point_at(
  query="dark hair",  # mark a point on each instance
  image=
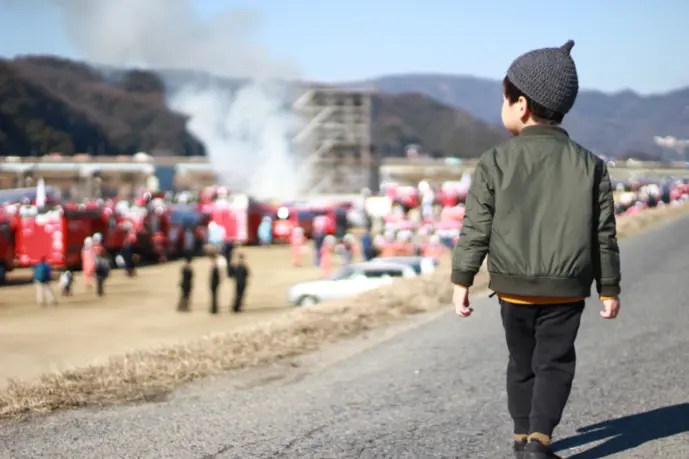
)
(538, 112)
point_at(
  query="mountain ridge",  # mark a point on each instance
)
(610, 123)
(52, 104)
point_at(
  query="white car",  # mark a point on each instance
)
(352, 280)
(421, 265)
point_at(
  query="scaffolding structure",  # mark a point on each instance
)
(334, 140)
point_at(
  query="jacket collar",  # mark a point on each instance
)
(544, 130)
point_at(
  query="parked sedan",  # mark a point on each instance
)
(349, 282)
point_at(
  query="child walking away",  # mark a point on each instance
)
(186, 284)
(542, 207)
(66, 280)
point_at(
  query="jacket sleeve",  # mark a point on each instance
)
(474, 238)
(606, 252)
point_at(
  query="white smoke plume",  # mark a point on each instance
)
(674, 149)
(247, 133)
(671, 142)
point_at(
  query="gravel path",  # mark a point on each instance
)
(432, 390)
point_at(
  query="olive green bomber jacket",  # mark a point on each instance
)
(541, 208)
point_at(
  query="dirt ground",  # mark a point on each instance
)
(135, 313)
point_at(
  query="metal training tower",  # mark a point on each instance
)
(334, 139)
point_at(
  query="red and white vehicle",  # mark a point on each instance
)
(57, 234)
(8, 228)
(308, 217)
(238, 215)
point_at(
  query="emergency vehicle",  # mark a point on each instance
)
(308, 218)
(239, 215)
(8, 228)
(58, 233)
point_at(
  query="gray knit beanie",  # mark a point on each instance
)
(548, 77)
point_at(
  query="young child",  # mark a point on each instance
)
(542, 206)
(66, 280)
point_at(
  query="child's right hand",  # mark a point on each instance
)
(611, 308)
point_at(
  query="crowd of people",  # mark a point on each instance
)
(423, 230)
(96, 265)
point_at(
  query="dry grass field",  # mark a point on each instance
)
(135, 313)
(143, 315)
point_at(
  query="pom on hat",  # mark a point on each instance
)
(567, 47)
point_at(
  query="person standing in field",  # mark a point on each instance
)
(66, 280)
(214, 283)
(240, 272)
(102, 272)
(542, 207)
(297, 240)
(367, 247)
(128, 258)
(265, 232)
(43, 276)
(88, 263)
(186, 285)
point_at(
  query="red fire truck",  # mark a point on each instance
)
(239, 215)
(289, 217)
(8, 228)
(58, 233)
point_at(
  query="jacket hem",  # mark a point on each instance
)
(553, 287)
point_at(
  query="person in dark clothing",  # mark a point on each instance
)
(102, 273)
(186, 285)
(318, 239)
(534, 204)
(215, 284)
(341, 223)
(240, 273)
(665, 192)
(367, 247)
(128, 257)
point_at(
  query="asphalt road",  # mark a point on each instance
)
(434, 390)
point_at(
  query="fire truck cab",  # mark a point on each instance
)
(8, 229)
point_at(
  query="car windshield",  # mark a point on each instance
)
(412, 262)
(343, 274)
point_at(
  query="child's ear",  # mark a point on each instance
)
(523, 107)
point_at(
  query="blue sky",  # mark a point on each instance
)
(637, 44)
